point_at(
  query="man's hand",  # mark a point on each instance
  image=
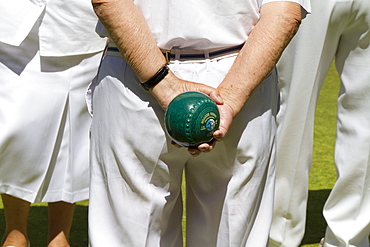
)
(171, 86)
(226, 118)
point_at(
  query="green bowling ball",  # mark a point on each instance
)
(191, 119)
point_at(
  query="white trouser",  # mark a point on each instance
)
(340, 30)
(136, 173)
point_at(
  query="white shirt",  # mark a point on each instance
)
(203, 24)
(58, 33)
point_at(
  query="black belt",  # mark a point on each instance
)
(200, 56)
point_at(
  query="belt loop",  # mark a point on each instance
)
(208, 61)
(177, 59)
(177, 53)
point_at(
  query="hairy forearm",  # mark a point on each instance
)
(278, 24)
(130, 32)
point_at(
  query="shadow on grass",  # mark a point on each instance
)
(38, 222)
(315, 224)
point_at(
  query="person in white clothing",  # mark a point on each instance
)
(225, 49)
(335, 31)
(49, 53)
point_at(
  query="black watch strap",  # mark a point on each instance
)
(162, 72)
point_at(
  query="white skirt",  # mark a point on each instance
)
(44, 123)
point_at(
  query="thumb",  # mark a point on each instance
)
(215, 95)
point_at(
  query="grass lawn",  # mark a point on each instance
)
(322, 178)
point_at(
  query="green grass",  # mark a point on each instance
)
(322, 178)
(323, 175)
